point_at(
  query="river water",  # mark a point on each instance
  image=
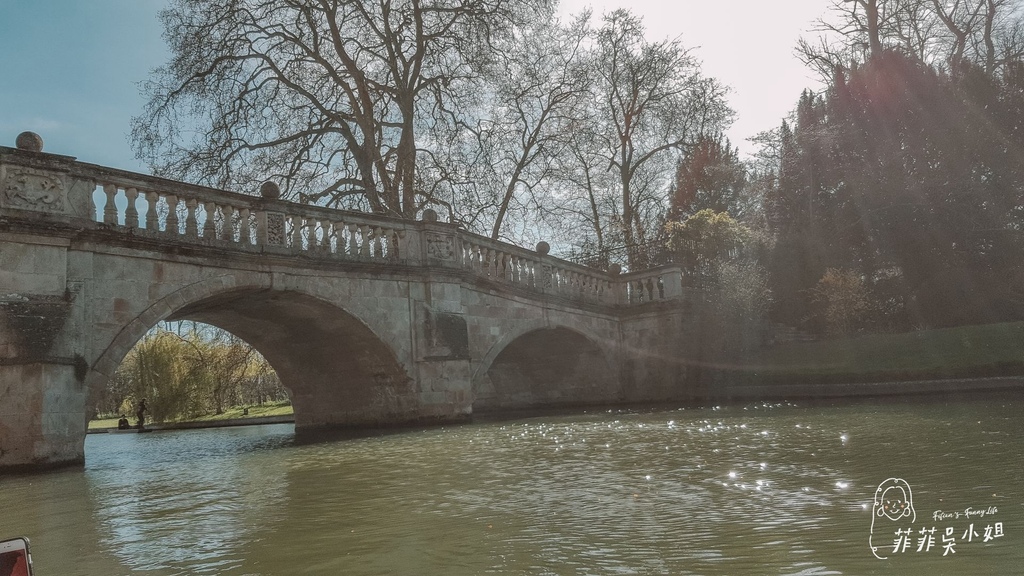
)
(757, 489)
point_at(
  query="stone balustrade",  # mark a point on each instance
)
(655, 285)
(58, 187)
(534, 270)
(194, 214)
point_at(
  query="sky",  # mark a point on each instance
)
(70, 69)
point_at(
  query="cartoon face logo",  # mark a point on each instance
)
(894, 500)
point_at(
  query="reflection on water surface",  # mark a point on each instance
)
(759, 489)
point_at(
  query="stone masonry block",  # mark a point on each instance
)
(155, 314)
(432, 398)
(31, 283)
(80, 265)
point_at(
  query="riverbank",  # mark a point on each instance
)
(960, 353)
(226, 423)
(732, 391)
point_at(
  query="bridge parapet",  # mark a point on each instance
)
(47, 186)
(654, 285)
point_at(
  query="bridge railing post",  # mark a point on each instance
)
(672, 282)
(269, 226)
(32, 181)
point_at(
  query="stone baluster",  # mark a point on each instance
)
(296, 232)
(390, 242)
(172, 215)
(131, 212)
(507, 268)
(476, 259)
(310, 233)
(364, 241)
(378, 248)
(244, 231)
(353, 240)
(227, 224)
(298, 227)
(387, 243)
(499, 265)
(401, 246)
(109, 209)
(325, 236)
(339, 238)
(317, 233)
(94, 209)
(191, 229)
(152, 218)
(485, 260)
(210, 222)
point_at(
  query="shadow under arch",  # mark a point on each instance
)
(549, 366)
(338, 371)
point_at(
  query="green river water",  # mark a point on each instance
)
(762, 488)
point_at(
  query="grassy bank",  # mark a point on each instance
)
(273, 409)
(962, 352)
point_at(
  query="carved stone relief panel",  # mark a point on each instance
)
(30, 189)
(440, 247)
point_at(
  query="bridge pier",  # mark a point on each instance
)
(42, 416)
(42, 392)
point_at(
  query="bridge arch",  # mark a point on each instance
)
(338, 370)
(545, 364)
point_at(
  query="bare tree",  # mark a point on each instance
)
(943, 33)
(331, 97)
(650, 102)
(535, 94)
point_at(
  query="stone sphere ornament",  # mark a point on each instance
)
(29, 141)
(270, 191)
(429, 215)
(615, 269)
(543, 248)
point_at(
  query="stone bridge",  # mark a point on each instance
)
(369, 321)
